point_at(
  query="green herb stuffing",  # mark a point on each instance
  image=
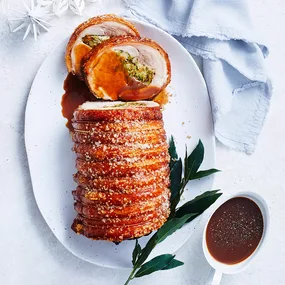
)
(93, 41)
(135, 69)
(127, 104)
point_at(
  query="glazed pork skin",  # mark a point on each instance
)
(123, 177)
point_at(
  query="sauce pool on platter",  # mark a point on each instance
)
(234, 230)
(77, 93)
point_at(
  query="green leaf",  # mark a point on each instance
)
(173, 263)
(204, 173)
(175, 183)
(194, 161)
(172, 152)
(198, 205)
(145, 252)
(166, 230)
(155, 264)
(136, 252)
(171, 226)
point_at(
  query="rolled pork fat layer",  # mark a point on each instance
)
(123, 184)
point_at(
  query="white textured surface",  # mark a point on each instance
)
(30, 254)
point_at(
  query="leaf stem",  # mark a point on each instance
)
(177, 200)
(131, 276)
(184, 183)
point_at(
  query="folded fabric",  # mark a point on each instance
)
(222, 34)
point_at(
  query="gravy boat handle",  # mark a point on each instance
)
(216, 278)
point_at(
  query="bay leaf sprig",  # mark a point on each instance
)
(178, 215)
(161, 262)
(192, 164)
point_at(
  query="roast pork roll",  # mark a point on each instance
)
(90, 34)
(126, 68)
(122, 170)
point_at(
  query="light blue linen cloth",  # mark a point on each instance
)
(221, 32)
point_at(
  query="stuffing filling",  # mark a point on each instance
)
(135, 69)
(92, 40)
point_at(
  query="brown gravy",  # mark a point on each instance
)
(76, 93)
(79, 51)
(139, 94)
(235, 230)
(162, 98)
(109, 74)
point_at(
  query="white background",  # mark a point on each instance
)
(30, 254)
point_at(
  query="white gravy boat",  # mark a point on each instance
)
(222, 268)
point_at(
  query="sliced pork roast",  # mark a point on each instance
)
(90, 34)
(126, 68)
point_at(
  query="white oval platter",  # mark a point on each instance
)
(51, 160)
